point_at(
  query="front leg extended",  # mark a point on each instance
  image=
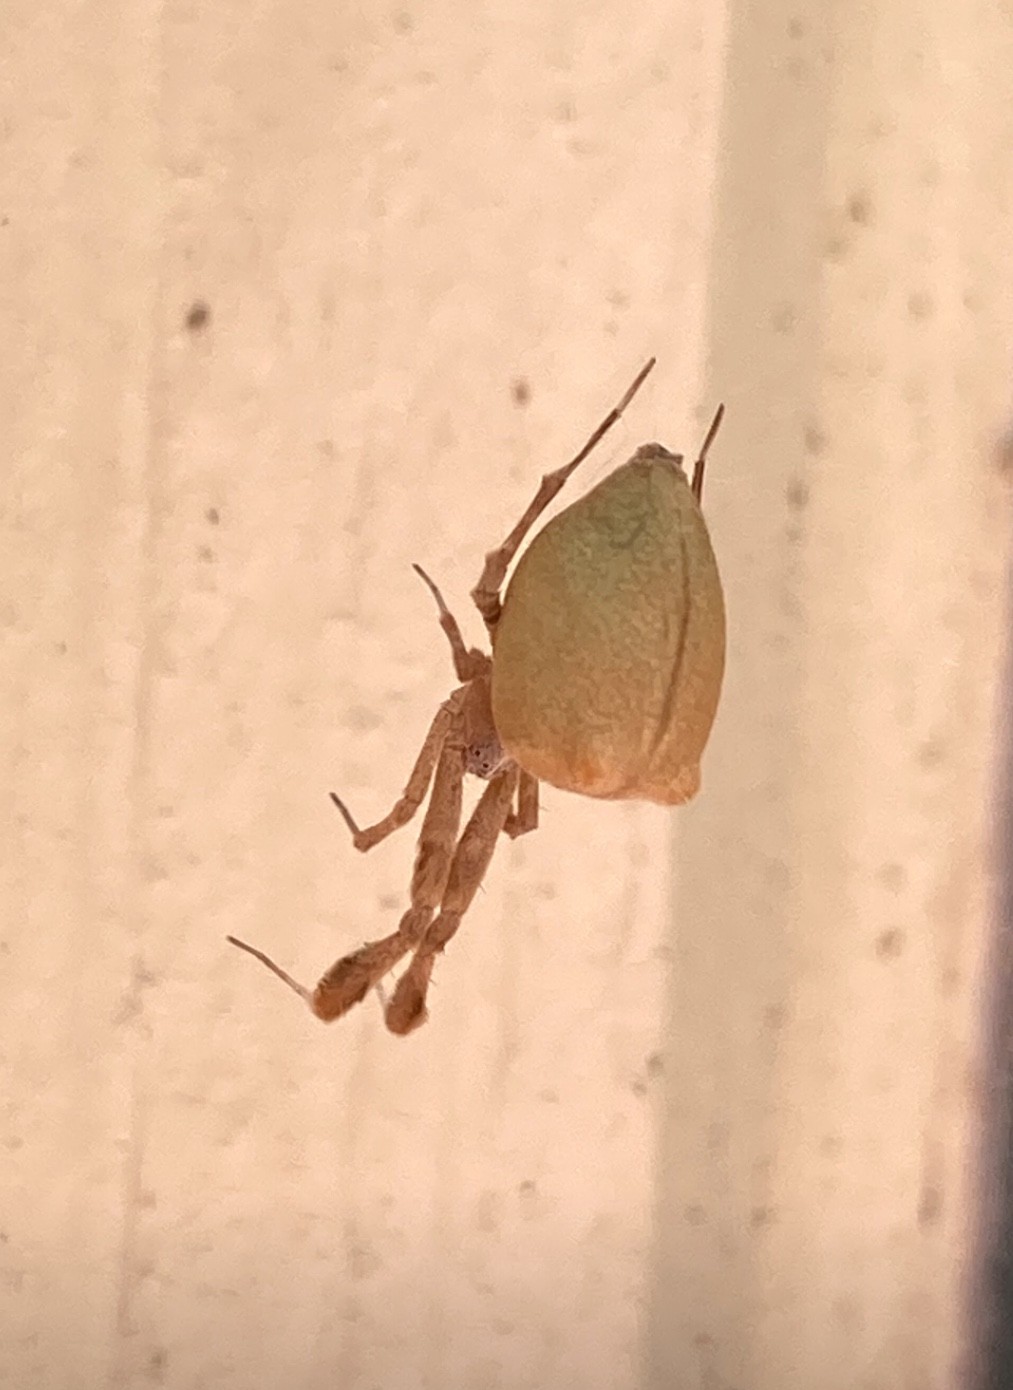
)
(350, 979)
(416, 787)
(485, 594)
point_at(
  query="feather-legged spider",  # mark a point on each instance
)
(654, 580)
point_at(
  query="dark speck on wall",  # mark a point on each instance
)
(890, 943)
(797, 493)
(198, 316)
(860, 209)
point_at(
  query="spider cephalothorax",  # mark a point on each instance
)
(608, 653)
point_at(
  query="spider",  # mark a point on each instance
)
(606, 666)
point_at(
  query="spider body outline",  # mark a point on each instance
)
(464, 737)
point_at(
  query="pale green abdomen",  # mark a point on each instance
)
(610, 650)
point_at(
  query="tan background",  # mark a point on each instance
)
(697, 1104)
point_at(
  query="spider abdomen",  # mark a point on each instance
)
(609, 653)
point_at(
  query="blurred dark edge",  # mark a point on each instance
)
(991, 1286)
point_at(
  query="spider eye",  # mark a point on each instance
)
(483, 759)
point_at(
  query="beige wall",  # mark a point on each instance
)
(695, 1106)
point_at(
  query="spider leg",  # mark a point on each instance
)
(468, 663)
(275, 969)
(698, 467)
(525, 818)
(417, 785)
(352, 977)
(486, 592)
(407, 1008)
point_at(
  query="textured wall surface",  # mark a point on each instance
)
(295, 295)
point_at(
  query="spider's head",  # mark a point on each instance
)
(484, 756)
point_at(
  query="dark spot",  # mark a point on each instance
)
(949, 982)
(527, 1198)
(762, 1216)
(198, 316)
(930, 1206)
(774, 1016)
(814, 439)
(931, 753)
(326, 448)
(61, 648)
(796, 28)
(890, 943)
(783, 318)
(831, 1146)
(403, 22)
(859, 209)
(694, 1215)
(655, 1064)
(5, 221)
(205, 554)
(157, 1362)
(702, 1339)
(639, 1087)
(797, 493)
(212, 516)
(520, 390)
(920, 305)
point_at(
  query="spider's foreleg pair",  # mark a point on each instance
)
(448, 871)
